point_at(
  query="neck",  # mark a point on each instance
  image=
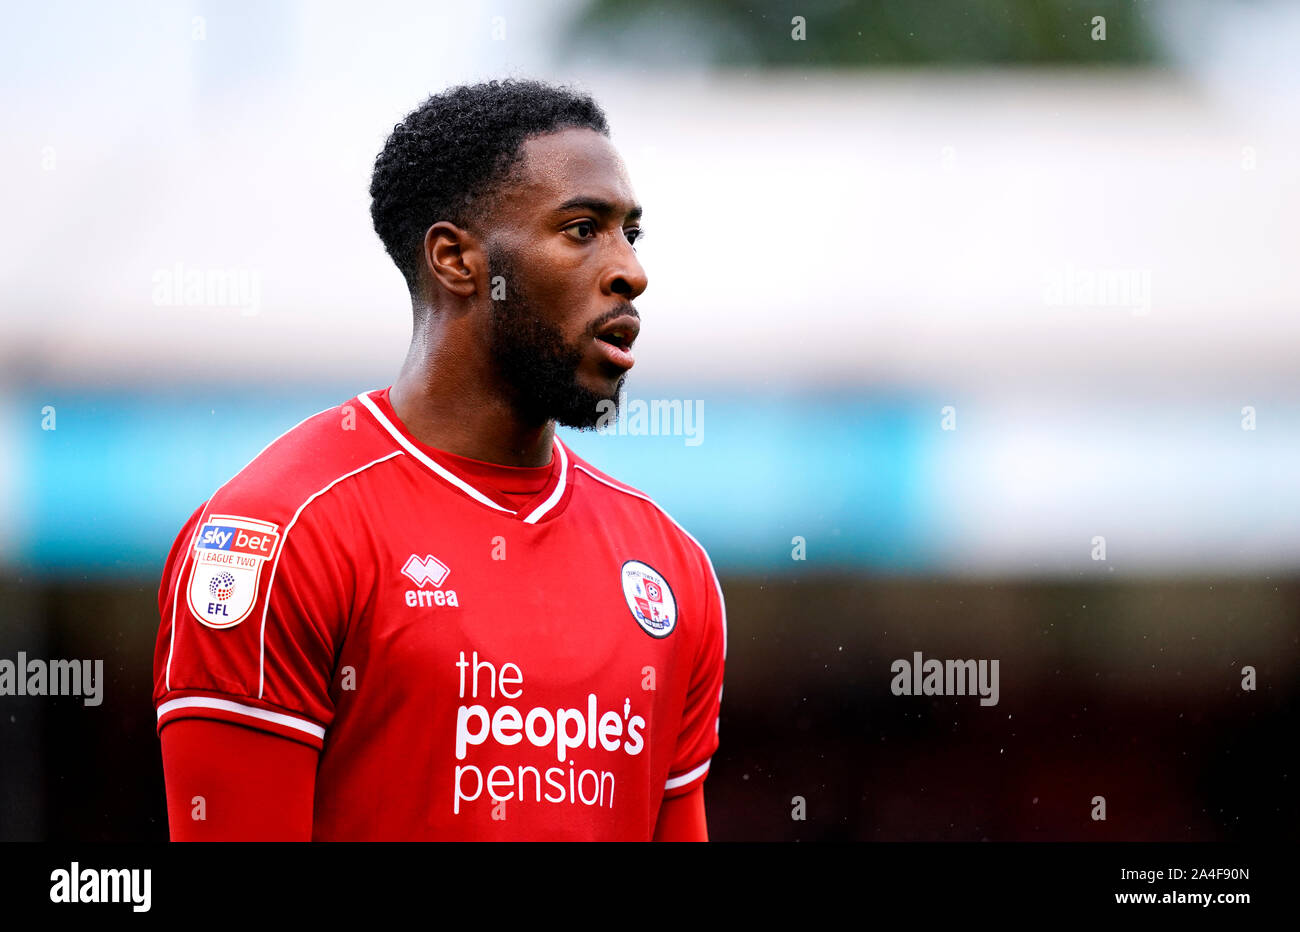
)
(449, 400)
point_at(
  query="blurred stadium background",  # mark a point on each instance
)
(856, 240)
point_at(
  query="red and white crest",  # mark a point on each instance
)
(649, 598)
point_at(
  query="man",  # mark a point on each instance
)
(418, 615)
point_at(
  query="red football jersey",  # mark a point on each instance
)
(472, 663)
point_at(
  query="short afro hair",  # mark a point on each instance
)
(449, 157)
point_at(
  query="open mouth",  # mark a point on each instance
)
(618, 338)
(621, 332)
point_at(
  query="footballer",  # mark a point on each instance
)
(419, 615)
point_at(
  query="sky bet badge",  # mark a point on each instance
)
(229, 554)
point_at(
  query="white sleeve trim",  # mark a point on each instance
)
(203, 517)
(674, 782)
(225, 705)
(275, 563)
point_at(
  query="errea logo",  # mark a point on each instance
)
(429, 571)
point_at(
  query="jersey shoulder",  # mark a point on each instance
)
(302, 463)
(615, 494)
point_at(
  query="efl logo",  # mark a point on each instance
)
(429, 571)
(229, 554)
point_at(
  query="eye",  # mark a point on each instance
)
(582, 224)
(634, 235)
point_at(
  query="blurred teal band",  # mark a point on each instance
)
(766, 481)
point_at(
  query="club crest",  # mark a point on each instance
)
(649, 598)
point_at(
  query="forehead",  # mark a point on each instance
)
(566, 164)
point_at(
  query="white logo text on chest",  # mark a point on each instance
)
(429, 573)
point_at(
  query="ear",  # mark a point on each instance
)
(453, 258)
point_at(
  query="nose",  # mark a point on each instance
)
(624, 276)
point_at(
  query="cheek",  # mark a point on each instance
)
(561, 283)
(565, 302)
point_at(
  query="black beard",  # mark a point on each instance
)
(538, 370)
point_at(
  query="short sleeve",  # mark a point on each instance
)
(698, 736)
(253, 605)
